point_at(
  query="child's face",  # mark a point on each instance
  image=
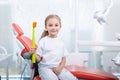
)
(53, 26)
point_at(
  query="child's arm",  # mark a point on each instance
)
(38, 57)
(58, 69)
(62, 64)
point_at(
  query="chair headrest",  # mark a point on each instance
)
(18, 29)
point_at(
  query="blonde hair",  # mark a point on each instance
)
(45, 33)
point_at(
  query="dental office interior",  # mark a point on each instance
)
(90, 31)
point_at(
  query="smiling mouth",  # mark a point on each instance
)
(53, 31)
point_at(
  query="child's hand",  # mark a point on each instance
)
(57, 70)
(32, 50)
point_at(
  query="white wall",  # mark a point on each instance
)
(113, 19)
(6, 34)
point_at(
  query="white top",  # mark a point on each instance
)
(52, 50)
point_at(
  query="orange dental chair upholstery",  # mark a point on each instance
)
(82, 72)
(26, 42)
(79, 71)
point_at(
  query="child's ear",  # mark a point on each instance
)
(45, 29)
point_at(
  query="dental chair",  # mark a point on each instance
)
(79, 71)
(27, 43)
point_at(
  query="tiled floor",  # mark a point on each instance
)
(15, 78)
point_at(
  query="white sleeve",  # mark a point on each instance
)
(39, 50)
(65, 52)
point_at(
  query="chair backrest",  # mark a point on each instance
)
(17, 29)
(26, 42)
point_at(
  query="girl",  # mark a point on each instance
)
(51, 53)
